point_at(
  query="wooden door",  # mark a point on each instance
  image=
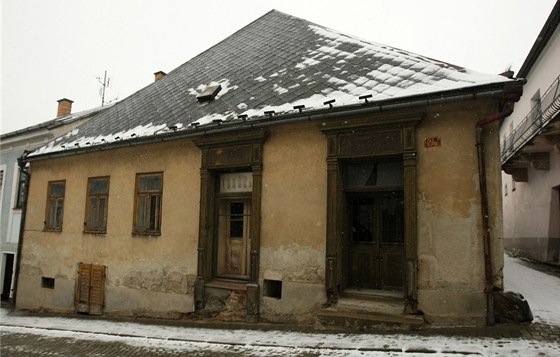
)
(376, 241)
(234, 240)
(90, 292)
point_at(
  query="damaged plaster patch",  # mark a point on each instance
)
(297, 263)
(165, 280)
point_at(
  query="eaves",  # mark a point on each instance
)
(243, 124)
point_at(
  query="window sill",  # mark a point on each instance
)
(227, 284)
(146, 235)
(95, 233)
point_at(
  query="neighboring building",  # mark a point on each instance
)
(290, 173)
(12, 146)
(530, 149)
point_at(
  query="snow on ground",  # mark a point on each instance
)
(541, 290)
(280, 343)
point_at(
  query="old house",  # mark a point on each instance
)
(290, 173)
(12, 146)
(530, 146)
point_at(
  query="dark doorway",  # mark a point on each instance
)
(8, 272)
(376, 257)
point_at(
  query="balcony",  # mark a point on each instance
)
(532, 140)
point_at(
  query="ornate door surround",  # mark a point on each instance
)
(369, 138)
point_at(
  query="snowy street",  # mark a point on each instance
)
(541, 290)
(28, 334)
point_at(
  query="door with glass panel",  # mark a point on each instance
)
(375, 226)
(234, 240)
(376, 241)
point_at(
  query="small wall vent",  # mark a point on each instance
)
(209, 94)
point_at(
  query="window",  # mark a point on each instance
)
(96, 206)
(47, 283)
(147, 215)
(1, 183)
(20, 190)
(55, 205)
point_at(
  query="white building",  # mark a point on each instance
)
(530, 146)
(12, 146)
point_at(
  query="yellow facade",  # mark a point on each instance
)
(155, 275)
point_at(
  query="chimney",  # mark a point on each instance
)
(64, 107)
(159, 75)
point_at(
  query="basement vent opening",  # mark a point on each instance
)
(209, 94)
(273, 288)
(47, 283)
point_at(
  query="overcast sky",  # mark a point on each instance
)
(53, 49)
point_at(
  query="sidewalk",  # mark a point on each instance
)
(492, 341)
(538, 338)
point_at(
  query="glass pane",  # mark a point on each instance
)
(52, 213)
(236, 220)
(393, 218)
(59, 213)
(91, 222)
(370, 173)
(141, 213)
(362, 221)
(98, 186)
(150, 183)
(57, 189)
(101, 224)
(389, 173)
(154, 213)
(236, 208)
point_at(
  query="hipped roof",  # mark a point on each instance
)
(265, 69)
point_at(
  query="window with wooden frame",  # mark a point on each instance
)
(147, 207)
(96, 205)
(55, 205)
(21, 183)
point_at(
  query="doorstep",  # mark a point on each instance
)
(368, 313)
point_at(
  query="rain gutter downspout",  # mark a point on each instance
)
(509, 97)
(25, 176)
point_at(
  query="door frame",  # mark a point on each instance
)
(369, 137)
(219, 154)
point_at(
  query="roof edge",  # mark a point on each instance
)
(448, 96)
(544, 36)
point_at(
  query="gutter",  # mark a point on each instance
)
(510, 95)
(270, 120)
(26, 176)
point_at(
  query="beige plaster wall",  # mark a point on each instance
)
(450, 251)
(143, 273)
(154, 275)
(294, 203)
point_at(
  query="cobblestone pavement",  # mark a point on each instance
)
(28, 341)
(23, 344)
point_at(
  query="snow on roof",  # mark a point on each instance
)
(273, 64)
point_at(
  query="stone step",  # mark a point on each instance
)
(368, 314)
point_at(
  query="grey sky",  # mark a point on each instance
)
(53, 49)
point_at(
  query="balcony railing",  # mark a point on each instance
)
(538, 118)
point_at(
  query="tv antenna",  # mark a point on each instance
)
(104, 86)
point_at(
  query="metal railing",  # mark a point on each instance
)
(539, 116)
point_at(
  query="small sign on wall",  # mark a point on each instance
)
(432, 142)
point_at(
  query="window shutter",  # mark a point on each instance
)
(97, 290)
(90, 291)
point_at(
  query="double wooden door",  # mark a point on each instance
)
(376, 241)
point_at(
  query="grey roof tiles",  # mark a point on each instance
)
(274, 63)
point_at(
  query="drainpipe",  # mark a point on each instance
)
(25, 176)
(509, 97)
